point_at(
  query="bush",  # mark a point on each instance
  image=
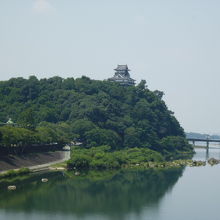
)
(102, 157)
(140, 155)
(79, 162)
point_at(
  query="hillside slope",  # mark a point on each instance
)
(98, 112)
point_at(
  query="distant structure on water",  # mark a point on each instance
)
(122, 76)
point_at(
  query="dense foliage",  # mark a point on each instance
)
(92, 112)
(102, 158)
(45, 133)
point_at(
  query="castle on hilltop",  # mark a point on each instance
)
(122, 76)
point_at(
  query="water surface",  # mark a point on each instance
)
(190, 193)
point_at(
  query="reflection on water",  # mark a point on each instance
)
(165, 194)
(207, 153)
(108, 194)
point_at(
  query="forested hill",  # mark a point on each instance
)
(98, 112)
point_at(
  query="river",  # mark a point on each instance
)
(180, 194)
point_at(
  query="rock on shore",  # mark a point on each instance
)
(213, 161)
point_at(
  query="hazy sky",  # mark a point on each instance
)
(173, 44)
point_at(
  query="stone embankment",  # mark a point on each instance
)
(36, 162)
(176, 163)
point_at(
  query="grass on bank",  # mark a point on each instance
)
(59, 165)
(14, 173)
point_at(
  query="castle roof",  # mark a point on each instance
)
(122, 68)
(122, 76)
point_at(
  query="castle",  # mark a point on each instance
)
(122, 76)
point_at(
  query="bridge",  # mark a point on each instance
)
(207, 140)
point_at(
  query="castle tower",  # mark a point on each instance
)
(122, 76)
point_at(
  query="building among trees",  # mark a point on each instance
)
(122, 76)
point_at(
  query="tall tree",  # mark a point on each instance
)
(27, 119)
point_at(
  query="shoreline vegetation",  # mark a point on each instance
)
(15, 173)
(63, 167)
(130, 160)
(103, 158)
(117, 126)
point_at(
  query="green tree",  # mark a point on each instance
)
(27, 119)
(172, 145)
(98, 137)
(47, 135)
(132, 138)
(17, 137)
(81, 126)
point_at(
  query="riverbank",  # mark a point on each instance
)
(155, 165)
(34, 161)
(162, 194)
